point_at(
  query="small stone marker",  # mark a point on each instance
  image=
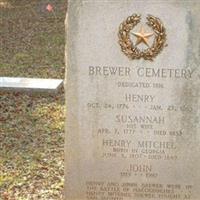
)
(133, 100)
(30, 84)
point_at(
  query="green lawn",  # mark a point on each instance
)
(32, 126)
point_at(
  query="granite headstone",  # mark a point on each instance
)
(133, 106)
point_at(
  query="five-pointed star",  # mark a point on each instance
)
(142, 37)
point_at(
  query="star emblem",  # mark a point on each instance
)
(142, 37)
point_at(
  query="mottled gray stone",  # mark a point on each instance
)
(135, 134)
(30, 84)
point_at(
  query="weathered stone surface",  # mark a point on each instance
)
(30, 84)
(132, 125)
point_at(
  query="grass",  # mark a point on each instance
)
(31, 126)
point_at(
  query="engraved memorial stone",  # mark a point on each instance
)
(133, 106)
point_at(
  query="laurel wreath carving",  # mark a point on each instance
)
(133, 52)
